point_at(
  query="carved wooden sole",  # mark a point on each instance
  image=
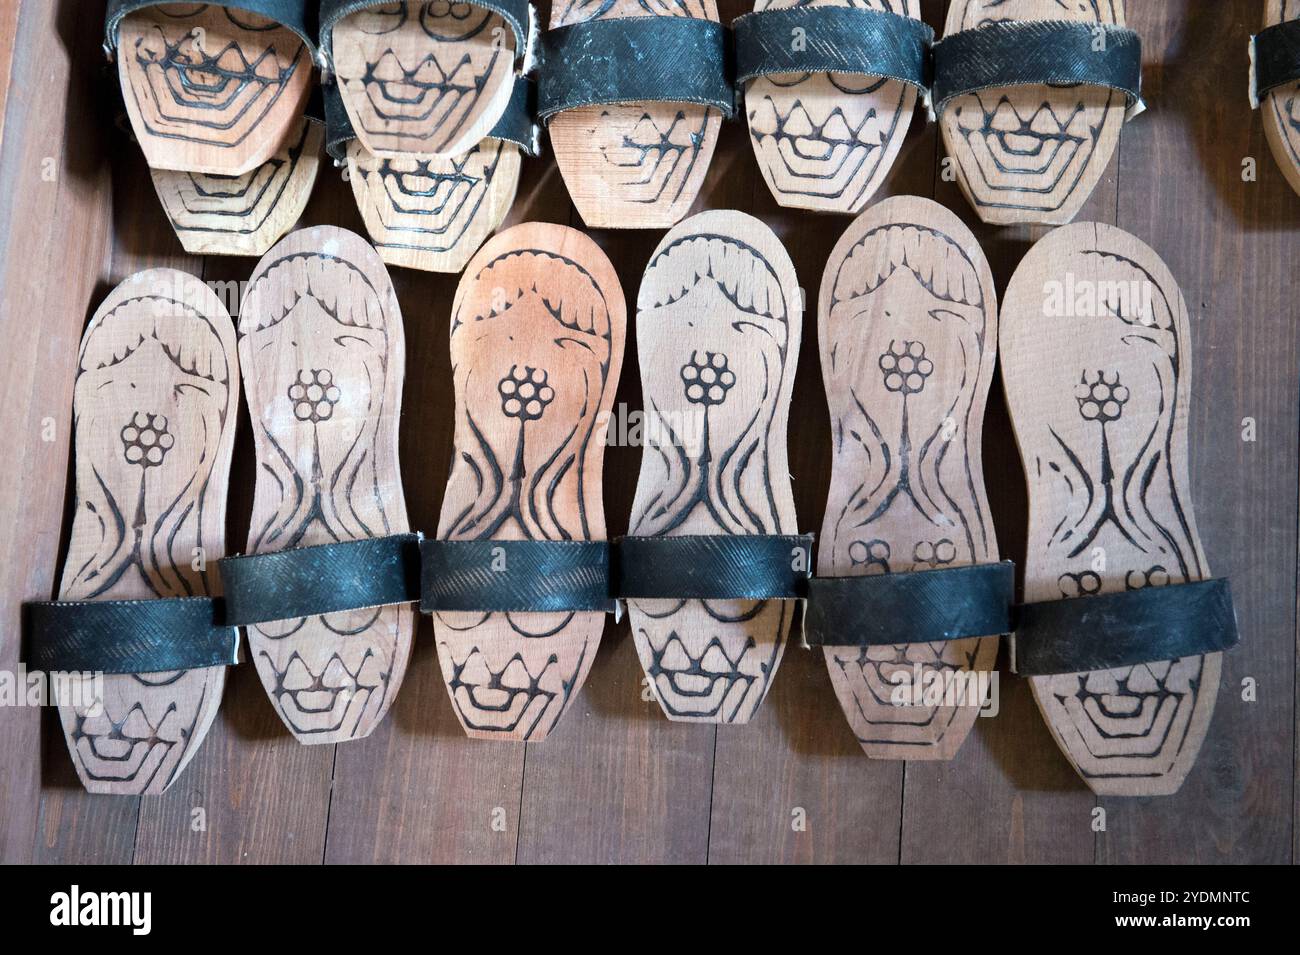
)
(1031, 153)
(718, 323)
(432, 213)
(211, 89)
(907, 323)
(242, 215)
(323, 353)
(1282, 106)
(154, 407)
(826, 141)
(423, 79)
(1094, 350)
(537, 335)
(638, 165)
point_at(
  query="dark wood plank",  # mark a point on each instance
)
(1232, 247)
(54, 246)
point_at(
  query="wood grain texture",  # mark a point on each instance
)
(655, 790)
(1281, 107)
(826, 141)
(253, 794)
(1232, 254)
(907, 322)
(322, 352)
(50, 117)
(1031, 153)
(433, 213)
(718, 325)
(635, 165)
(243, 215)
(423, 79)
(1101, 420)
(537, 332)
(211, 89)
(153, 406)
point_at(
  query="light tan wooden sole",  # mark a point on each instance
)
(323, 357)
(242, 215)
(154, 414)
(423, 79)
(1031, 153)
(907, 323)
(719, 317)
(537, 333)
(1281, 107)
(1094, 350)
(826, 141)
(433, 214)
(210, 89)
(639, 165)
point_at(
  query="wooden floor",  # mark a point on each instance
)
(616, 782)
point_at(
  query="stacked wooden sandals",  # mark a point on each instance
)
(1121, 626)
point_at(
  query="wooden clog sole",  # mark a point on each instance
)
(154, 405)
(322, 352)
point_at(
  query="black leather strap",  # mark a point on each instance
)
(834, 40)
(128, 636)
(511, 575)
(1275, 58)
(1124, 628)
(634, 60)
(1033, 52)
(516, 124)
(926, 606)
(298, 15)
(328, 578)
(338, 127)
(723, 567)
(519, 16)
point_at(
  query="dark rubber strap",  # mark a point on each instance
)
(338, 127)
(1034, 52)
(927, 606)
(1275, 58)
(518, 14)
(511, 575)
(128, 636)
(328, 578)
(1124, 628)
(723, 567)
(516, 124)
(298, 15)
(834, 40)
(634, 60)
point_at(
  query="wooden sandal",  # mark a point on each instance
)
(828, 116)
(1029, 109)
(243, 215)
(154, 405)
(1121, 626)
(323, 353)
(433, 213)
(537, 335)
(719, 316)
(907, 321)
(633, 103)
(1275, 83)
(212, 88)
(425, 79)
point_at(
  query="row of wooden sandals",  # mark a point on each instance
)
(909, 596)
(430, 107)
